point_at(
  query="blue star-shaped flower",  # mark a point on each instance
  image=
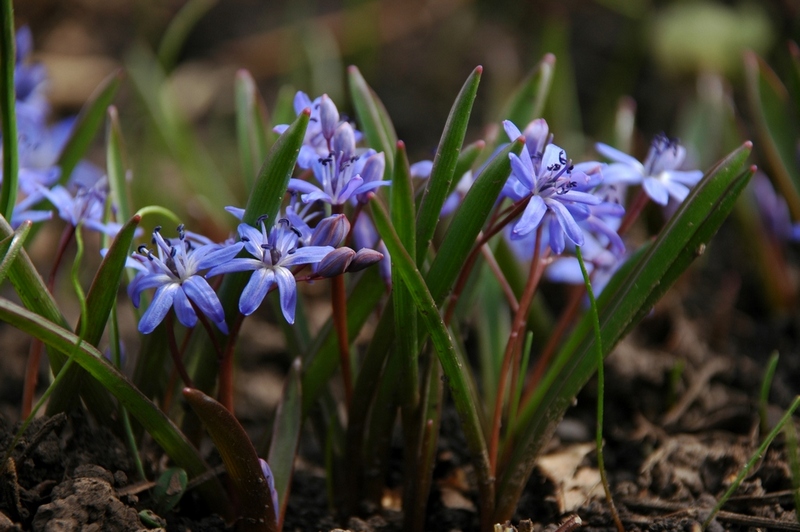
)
(174, 273)
(274, 253)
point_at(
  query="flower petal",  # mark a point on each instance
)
(201, 294)
(531, 217)
(255, 290)
(162, 302)
(287, 287)
(656, 190)
(183, 308)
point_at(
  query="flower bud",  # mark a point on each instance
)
(363, 259)
(336, 262)
(328, 117)
(330, 231)
(344, 140)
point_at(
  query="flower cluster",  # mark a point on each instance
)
(82, 196)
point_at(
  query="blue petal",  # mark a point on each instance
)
(531, 217)
(522, 169)
(255, 290)
(617, 156)
(656, 190)
(198, 290)
(183, 309)
(511, 130)
(287, 287)
(159, 307)
(145, 281)
(306, 255)
(567, 223)
(235, 265)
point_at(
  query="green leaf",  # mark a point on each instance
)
(241, 462)
(777, 132)
(372, 117)
(273, 178)
(87, 124)
(627, 298)
(466, 159)
(402, 197)
(103, 291)
(178, 30)
(11, 246)
(157, 424)
(8, 110)
(286, 437)
(528, 100)
(444, 164)
(468, 221)
(169, 489)
(116, 166)
(454, 373)
(251, 126)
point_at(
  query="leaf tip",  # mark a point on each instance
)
(307, 111)
(479, 69)
(549, 59)
(748, 145)
(401, 146)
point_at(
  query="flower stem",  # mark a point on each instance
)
(35, 352)
(226, 365)
(177, 359)
(339, 305)
(520, 319)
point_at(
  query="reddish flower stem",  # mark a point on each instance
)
(339, 306)
(35, 352)
(225, 393)
(520, 319)
(177, 359)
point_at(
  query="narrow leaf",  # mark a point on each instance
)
(372, 117)
(178, 30)
(241, 462)
(87, 124)
(777, 133)
(251, 126)
(8, 110)
(528, 100)
(11, 246)
(116, 166)
(286, 437)
(468, 221)
(103, 291)
(444, 163)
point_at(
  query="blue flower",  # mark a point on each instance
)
(274, 253)
(658, 175)
(174, 273)
(322, 125)
(342, 174)
(86, 207)
(552, 185)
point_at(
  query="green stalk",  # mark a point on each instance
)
(8, 98)
(600, 390)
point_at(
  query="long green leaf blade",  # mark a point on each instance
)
(528, 100)
(444, 163)
(87, 124)
(11, 246)
(372, 117)
(468, 221)
(777, 134)
(116, 166)
(8, 110)
(286, 437)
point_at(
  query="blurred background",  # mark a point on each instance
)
(666, 63)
